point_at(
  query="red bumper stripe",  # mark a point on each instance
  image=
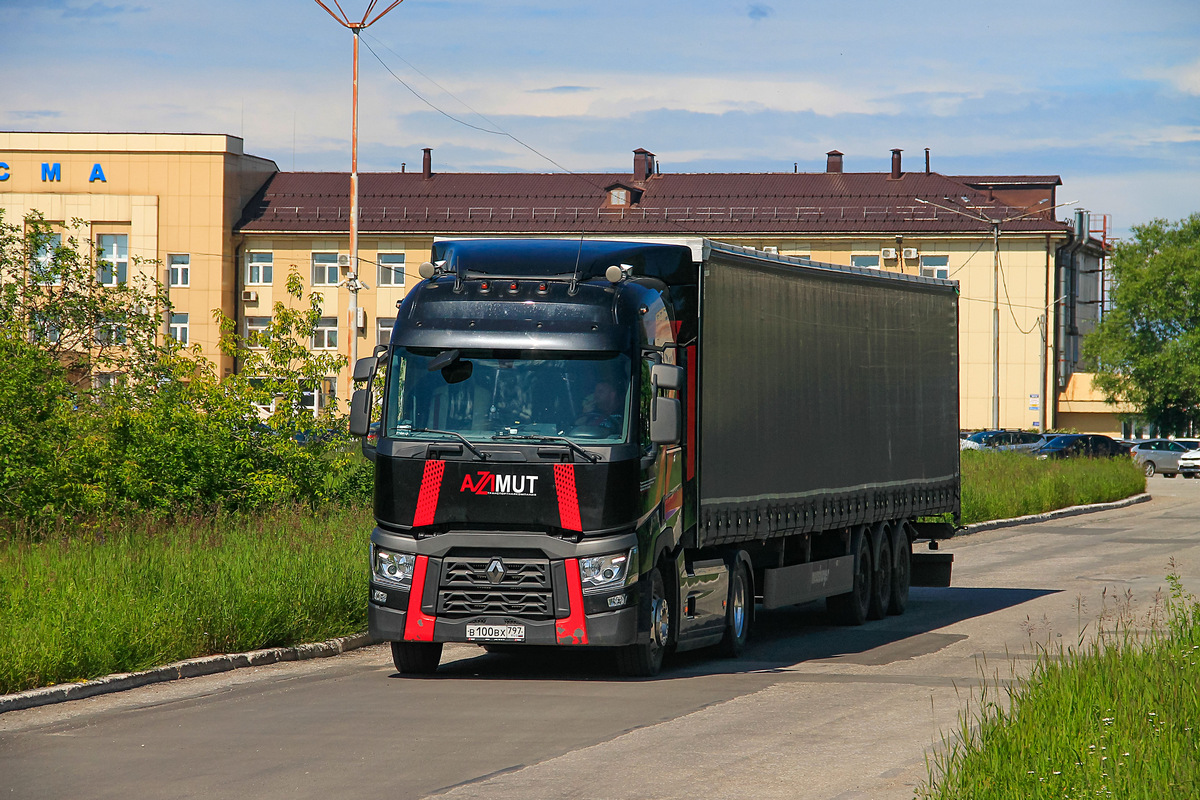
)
(568, 501)
(573, 629)
(418, 626)
(431, 486)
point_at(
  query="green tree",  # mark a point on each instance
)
(1146, 350)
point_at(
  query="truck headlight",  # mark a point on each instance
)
(605, 573)
(393, 568)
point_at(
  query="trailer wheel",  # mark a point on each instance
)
(416, 658)
(881, 586)
(739, 611)
(852, 607)
(1148, 468)
(644, 659)
(902, 577)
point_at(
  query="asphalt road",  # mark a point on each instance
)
(811, 710)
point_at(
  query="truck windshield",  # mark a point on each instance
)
(486, 394)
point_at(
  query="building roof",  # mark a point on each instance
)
(694, 204)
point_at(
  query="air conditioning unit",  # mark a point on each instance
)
(344, 260)
(772, 250)
(887, 253)
(249, 296)
(361, 318)
(910, 252)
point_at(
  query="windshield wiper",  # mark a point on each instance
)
(534, 437)
(482, 456)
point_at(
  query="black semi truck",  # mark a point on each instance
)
(627, 446)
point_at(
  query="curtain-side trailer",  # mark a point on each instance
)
(629, 445)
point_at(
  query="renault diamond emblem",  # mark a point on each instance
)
(495, 571)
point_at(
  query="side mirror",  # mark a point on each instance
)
(360, 410)
(666, 421)
(364, 368)
(667, 376)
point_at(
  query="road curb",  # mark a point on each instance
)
(1070, 511)
(210, 665)
(190, 668)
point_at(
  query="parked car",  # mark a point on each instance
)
(1002, 440)
(1189, 464)
(1081, 445)
(1162, 455)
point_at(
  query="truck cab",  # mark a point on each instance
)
(528, 448)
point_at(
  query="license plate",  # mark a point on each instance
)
(496, 633)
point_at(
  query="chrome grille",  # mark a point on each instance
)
(524, 590)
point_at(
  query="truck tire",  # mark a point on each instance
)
(881, 582)
(902, 577)
(739, 612)
(851, 608)
(1148, 468)
(416, 658)
(644, 659)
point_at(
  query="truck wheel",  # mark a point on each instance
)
(739, 611)
(1148, 468)
(644, 659)
(881, 586)
(902, 577)
(851, 608)
(416, 658)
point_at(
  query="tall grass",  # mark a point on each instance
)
(126, 597)
(1002, 485)
(1118, 718)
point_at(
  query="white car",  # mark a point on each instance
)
(1189, 464)
(1163, 456)
(1026, 441)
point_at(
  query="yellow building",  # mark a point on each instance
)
(241, 226)
(162, 205)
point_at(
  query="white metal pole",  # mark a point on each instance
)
(352, 278)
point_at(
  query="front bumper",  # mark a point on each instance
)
(435, 607)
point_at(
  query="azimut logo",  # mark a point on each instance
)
(491, 483)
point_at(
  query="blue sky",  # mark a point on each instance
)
(1105, 94)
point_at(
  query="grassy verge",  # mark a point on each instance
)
(1120, 718)
(146, 593)
(1001, 485)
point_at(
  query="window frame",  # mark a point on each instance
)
(939, 271)
(267, 268)
(326, 267)
(175, 326)
(860, 257)
(321, 333)
(115, 265)
(183, 269)
(381, 269)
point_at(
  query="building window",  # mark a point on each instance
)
(179, 328)
(46, 328)
(865, 262)
(259, 268)
(384, 330)
(113, 254)
(391, 269)
(325, 336)
(324, 269)
(44, 272)
(109, 334)
(618, 197)
(179, 267)
(256, 329)
(935, 266)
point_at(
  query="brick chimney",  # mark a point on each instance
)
(427, 163)
(833, 161)
(896, 173)
(643, 164)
